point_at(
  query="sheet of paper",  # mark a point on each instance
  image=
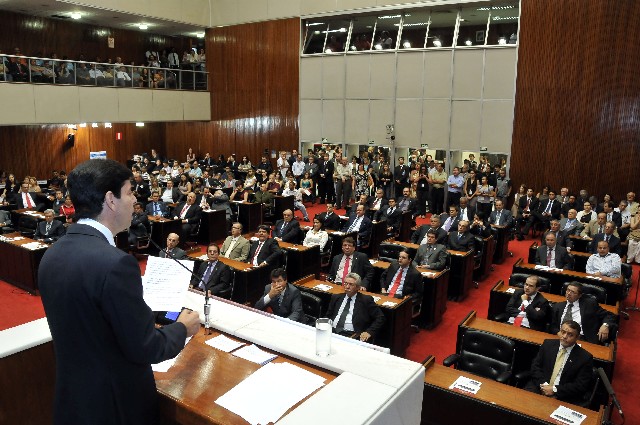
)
(33, 245)
(389, 304)
(322, 287)
(166, 365)
(223, 343)
(165, 283)
(510, 290)
(567, 416)
(254, 354)
(376, 299)
(467, 385)
(267, 405)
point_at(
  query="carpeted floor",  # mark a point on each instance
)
(17, 307)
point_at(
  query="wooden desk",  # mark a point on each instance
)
(494, 403)
(499, 298)
(434, 294)
(250, 215)
(614, 287)
(528, 343)
(378, 234)
(161, 228)
(405, 227)
(395, 332)
(301, 260)
(182, 399)
(579, 243)
(19, 266)
(213, 226)
(502, 236)
(282, 203)
(486, 260)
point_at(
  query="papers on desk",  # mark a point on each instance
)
(376, 299)
(323, 287)
(567, 416)
(510, 290)
(389, 304)
(373, 261)
(254, 354)
(338, 233)
(593, 277)
(547, 268)
(467, 385)
(272, 390)
(224, 343)
(166, 365)
(33, 245)
(428, 274)
(33, 213)
(203, 257)
(165, 284)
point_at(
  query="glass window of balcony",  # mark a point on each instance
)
(473, 26)
(315, 34)
(337, 33)
(503, 27)
(386, 31)
(362, 33)
(442, 27)
(414, 29)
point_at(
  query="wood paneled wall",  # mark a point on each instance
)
(43, 36)
(577, 113)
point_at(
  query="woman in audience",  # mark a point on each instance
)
(250, 181)
(67, 209)
(12, 186)
(239, 192)
(221, 162)
(544, 195)
(185, 185)
(386, 181)
(245, 165)
(422, 189)
(154, 186)
(191, 156)
(588, 214)
(484, 194)
(143, 80)
(306, 187)
(34, 186)
(163, 177)
(470, 187)
(316, 236)
(361, 182)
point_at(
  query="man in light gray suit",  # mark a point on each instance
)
(500, 216)
(235, 247)
(431, 255)
(570, 225)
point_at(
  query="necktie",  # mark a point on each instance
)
(280, 298)
(557, 366)
(447, 224)
(568, 315)
(390, 211)
(255, 256)
(546, 210)
(498, 217)
(528, 202)
(353, 225)
(184, 210)
(600, 229)
(377, 204)
(48, 228)
(606, 238)
(284, 224)
(206, 276)
(463, 213)
(609, 216)
(28, 198)
(549, 257)
(343, 316)
(156, 209)
(519, 318)
(345, 271)
(396, 283)
(568, 225)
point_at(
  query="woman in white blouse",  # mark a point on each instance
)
(316, 236)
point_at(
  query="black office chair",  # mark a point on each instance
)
(627, 273)
(484, 354)
(191, 241)
(228, 293)
(416, 307)
(517, 280)
(389, 252)
(480, 246)
(27, 226)
(312, 307)
(326, 256)
(142, 242)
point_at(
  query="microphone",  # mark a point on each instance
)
(609, 388)
(207, 307)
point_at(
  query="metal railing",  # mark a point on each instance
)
(25, 69)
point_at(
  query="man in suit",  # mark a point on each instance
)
(263, 196)
(604, 263)
(392, 215)
(325, 180)
(570, 225)
(189, 214)
(360, 223)
(139, 223)
(405, 203)
(431, 255)
(462, 240)
(351, 261)
(562, 369)
(141, 189)
(171, 194)
(500, 216)
(401, 279)
(235, 246)
(562, 238)
(354, 313)
(527, 307)
(29, 200)
(220, 202)
(215, 276)
(611, 214)
(420, 235)
(378, 201)
(526, 206)
(283, 298)
(548, 210)
(49, 230)
(401, 176)
(466, 212)
(595, 321)
(287, 229)
(553, 255)
(156, 207)
(612, 240)
(596, 226)
(5, 222)
(450, 221)
(329, 219)
(98, 318)
(57, 201)
(172, 250)
(265, 251)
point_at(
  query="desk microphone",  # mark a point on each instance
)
(609, 388)
(207, 307)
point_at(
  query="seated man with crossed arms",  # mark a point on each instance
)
(528, 307)
(604, 263)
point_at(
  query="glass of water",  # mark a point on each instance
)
(324, 327)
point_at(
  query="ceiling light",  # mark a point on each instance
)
(437, 42)
(502, 40)
(389, 16)
(200, 34)
(94, 125)
(139, 124)
(406, 45)
(143, 26)
(76, 15)
(83, 125)
(316, 23)
(328, 50)
(468, 42)
(378, 46)
(107, 125)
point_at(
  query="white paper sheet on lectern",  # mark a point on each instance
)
(165, 283)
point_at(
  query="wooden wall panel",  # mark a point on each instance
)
(577, 113)
(43, 36)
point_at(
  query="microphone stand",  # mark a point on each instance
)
(612, 393)
(635, 307)
(207, 307)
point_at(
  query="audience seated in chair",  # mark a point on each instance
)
(281, 297)
(172, 250)
(401, 279)
(213, 276)
(49, 230)
(235, 247)
(351, 261)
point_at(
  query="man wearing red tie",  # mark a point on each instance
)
(26, 199)
(401, 279)
(189, 214)
(265, 251)
(527, 307)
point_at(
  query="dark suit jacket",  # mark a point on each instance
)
(421, 232)
(562, 239)
(57, 230)
(139, 224)
(291, 306)
(454, 223)
(412, 207)
(435, 259)
(192, 215)
(412, 280)
(364, 233)
(330, 223)
(143, 191)
(393, 220)
(164, 210)
(537, 311)
(270, 252)
(465, 242)
(522, 203)
(99, 320)
(359, 264)
(556, 207)
(614, 243)
(592, 317)
(36, 199)
(290, 233)
(470, 213)
(506, 219)
(176, 253)
(576, 376)
(367, 316)
(563, 260)
(220, 279)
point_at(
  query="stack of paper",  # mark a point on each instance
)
(389, 304)
(254, 354)
(33, 245)
(166, 365)
(272, 389)
(223, 343)
(567, 416)
(465, 384)
(323, 287)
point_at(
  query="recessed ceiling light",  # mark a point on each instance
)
(143, 26)
(76, 15)
(200, 34)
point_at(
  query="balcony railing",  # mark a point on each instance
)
(24, 69)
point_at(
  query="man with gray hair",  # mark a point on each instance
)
(49, 230)
(355, 314)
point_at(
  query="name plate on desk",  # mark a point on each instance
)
(567, 416)
(466, 385)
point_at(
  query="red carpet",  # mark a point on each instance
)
(19, 307)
